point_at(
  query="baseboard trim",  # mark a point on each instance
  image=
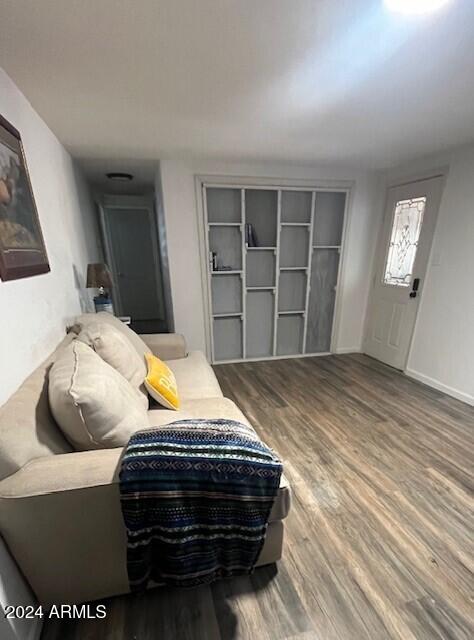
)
(341, 350)
(440, 386)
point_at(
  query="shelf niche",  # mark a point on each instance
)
(259, 324)
(296, 206)
(226, 294)
(226, 242)
(328, 218)
(292, 291)
(294, 242)
(223, 205)
(261, 206)
(260, 269)
(227, 338)
(290, 335)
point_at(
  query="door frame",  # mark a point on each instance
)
(142, 203)
(382, 201)
(241, 182)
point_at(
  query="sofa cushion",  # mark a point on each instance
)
(95, 406)
(117, 350)
(107, 318)
(27, 427)
(202, 408)
(194, 377)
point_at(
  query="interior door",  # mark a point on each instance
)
(137, 290)
(405, 243)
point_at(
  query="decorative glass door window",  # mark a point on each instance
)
(406, 227)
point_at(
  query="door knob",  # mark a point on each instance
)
(414, 288)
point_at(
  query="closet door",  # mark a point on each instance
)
(328, 224)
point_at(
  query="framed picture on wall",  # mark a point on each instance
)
(22, 248)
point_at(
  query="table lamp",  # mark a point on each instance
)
(99, 277)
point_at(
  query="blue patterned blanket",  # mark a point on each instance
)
(196, 496)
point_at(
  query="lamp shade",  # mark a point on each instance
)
(98, 275)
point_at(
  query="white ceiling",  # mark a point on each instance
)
(300, 81)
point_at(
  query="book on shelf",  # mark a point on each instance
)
(250, 235)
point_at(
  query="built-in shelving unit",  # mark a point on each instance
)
(277, 299)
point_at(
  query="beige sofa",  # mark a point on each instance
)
(59, 509)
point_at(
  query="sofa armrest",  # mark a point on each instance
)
(167, 346)
(60, 517)
(62, 473)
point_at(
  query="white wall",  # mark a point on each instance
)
(442, 350)
(179, 199)
(34, 311)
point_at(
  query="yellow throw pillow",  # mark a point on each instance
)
(161, 383)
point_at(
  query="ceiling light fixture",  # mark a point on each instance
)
(414, 6)
(119, 177)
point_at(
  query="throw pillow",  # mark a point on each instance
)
(93, 404)
(115, 348)
(161, 383)
(110, 320)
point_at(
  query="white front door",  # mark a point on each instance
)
(400, 269)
